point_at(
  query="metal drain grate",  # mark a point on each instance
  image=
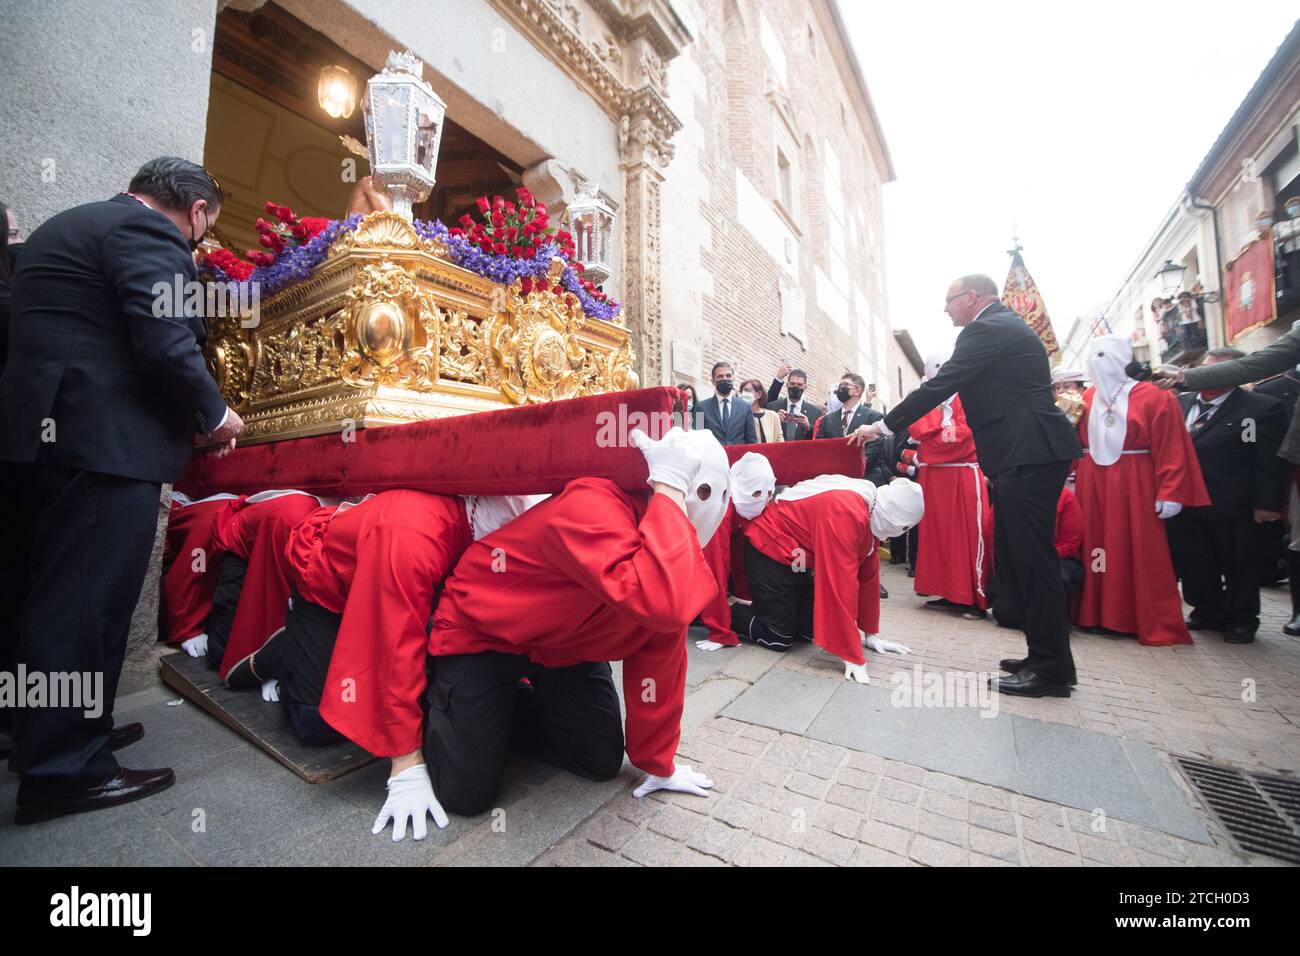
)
(1261, 812)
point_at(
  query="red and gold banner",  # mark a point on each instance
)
(1021, 295)
(1249, 297)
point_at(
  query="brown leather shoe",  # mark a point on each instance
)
(125, 735)
(123, 787)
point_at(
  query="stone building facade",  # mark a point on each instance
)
(734, 138)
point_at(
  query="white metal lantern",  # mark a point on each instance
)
(591, 223)
(403, 130)
(1170, 276)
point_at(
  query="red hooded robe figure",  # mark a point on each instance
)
(1136, 452)
(830, 534)
(257, 530)
(380, 564)
(192, 565)
(952, 561)
(593, 574)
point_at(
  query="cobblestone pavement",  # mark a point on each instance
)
(783, 799)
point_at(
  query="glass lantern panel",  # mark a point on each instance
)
(426, 141)
(390, 109)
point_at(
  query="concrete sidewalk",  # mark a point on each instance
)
(808, 769)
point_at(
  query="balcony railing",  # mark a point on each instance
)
(1286, 265)
(1184, 344)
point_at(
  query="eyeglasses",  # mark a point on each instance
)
(957, 296)
(220, 192)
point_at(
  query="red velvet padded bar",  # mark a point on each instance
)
(531, 449)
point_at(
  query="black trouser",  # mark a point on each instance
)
(77, 545)
(1003, 608)
(1024, 531)
(478, 710)
(299, 658)
(782, 609)
(225, 601)
(1217, 560)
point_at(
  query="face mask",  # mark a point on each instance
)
(724, 387)
(795, 393)
(690, 405)
(194, 243)
(747, 397)
(842, 393)
(710, 491)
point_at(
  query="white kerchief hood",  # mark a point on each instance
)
(1108, 418)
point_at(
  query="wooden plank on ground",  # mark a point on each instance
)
(265, 725)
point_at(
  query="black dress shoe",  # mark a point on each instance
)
(1014, 665)
(123, 787)
(1238, 635)
(1292, 626)
(124, 736)
(1029, 684)
(241, 675)
(938, 603)
(883, 592)
(1195, 623)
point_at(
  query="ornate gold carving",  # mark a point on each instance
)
(230, 360)
(387, 331)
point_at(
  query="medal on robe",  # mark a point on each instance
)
(1109, 419)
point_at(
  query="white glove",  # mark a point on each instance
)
(196, 646)
(410, 796)
(1167, 509)
(881, 646)
(709, 645)
(683, 780)
(671, 462)
(857, 672)
(271, 691)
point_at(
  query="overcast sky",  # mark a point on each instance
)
(1080, 124)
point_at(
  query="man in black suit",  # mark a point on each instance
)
(798, 417)
(1236, 435)
(852, 415)
(103, 395)
(730, 419)
(1026, 446)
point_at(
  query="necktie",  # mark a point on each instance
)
(726, 411)
(1202, 417)
(848, 417)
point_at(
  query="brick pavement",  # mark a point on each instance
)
(783, 799)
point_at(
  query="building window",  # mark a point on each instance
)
(784, 180)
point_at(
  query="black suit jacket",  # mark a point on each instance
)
(740, 428)
(878, 470)
(791, 431)
(1241, 476)
(124, 388)
(1000, 369)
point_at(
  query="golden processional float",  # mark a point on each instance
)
(371, 320)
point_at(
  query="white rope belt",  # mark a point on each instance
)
(979, 515)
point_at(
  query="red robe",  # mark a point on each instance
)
(191, 579)
(832, 532)
(592, 574)
(1137, 592)
(716, 616)
(1069, 525)
(258, 533)
(951, 560)
(380, 564)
